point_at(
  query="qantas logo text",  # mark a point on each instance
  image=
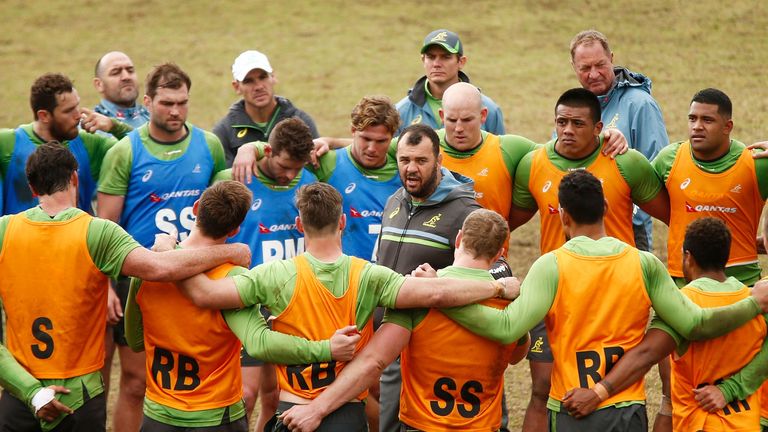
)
(708, 208)
(263, 229)
(175, 194)
(353, 212)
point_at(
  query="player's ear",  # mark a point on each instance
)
(299, 225)
(342, 222)
(459, 236)
(195, 207)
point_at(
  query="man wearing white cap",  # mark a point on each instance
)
(253, 117)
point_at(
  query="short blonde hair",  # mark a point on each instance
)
(484, 233)
(375, 111)
(588, 37)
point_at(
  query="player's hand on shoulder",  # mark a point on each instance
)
(322, 146)
(615, 142)
(51, 408)
(424, 270)
(762, 146)
(343, 343)
(244, 165)
(760, 293)
(241, 255)
(301, 418)
(580, 402)
(511, 288)
(165, 242)
(710, 398)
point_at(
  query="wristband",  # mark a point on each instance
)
(665, 408)
(602, 393)
(42, 398)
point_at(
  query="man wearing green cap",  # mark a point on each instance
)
(442, 55)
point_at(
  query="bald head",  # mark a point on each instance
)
(115, 79)
(463, 114)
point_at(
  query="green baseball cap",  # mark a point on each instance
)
(446, 39)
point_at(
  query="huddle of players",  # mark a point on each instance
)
(137, 169)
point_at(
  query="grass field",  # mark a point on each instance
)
(327, 54)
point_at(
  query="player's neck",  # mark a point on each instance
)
(593, 231)
(437, 90)
(261, 114)
(42, 131)
(716, 275)
(197, 239)
(325, 248)
(464, 259)
(58, 201)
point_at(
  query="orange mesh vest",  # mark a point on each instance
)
(315, 313)
(193, 359)
(764, 400)
(732, 195)
(709, 362)
(600, 312)
(446, 384)
(54, 296)
(544, 181)
(486, 168)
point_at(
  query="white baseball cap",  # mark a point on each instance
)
(248, 61)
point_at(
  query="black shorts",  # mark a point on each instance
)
(540, 350)
(151, 425)
(632, 418)
(350, 417)
(245, 359)
(121, 286)
(91, 417)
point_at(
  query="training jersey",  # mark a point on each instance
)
(626, 179)
(709, 362)
(160, 181)
(491, 165)
(199, 371)
(764, 405)
(269, 228)
(585, 346)
(66, 309)
(315, 313)
(538, 292)
(364, 194)
(17, 144)
(733, 189)
(445, 385)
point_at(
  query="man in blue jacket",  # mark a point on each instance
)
(442, 55)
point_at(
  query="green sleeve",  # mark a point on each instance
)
(379, 287)
(259, 146)
(393, 148)
(119, 129)
(134, 323)
(683, 315)
(512, 323)
(405, 318)
(639, 175)
(217, 153)
(761, 171)
(97, 146)
(663, 161)
(223, 175)
(7, 143)
(270, 346)
(270, 284)
(109, 244)
(116, 169)
(521, 194)
(749, 379)
(327, 164)
(16, 379)
(513, 148)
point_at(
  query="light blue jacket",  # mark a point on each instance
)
(414, 108)
(629, 107)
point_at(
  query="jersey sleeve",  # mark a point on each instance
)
(265, 283)
(97, 146)
(405, 318)
(270, 346)
(761, 171)
(683, 315)
(379, 286)
(513, 148)
(16, 379)
(134, 322)
(512, 323)
(327, 163)
(109, 244)
(217, 153)
(639, 175)
(521, 194)
(7, 144)
(115, 171)
(663, 161)
(749, 379)
(222, 175)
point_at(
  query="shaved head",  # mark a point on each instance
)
(462, 95)
(463, 115)
(114, 77)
